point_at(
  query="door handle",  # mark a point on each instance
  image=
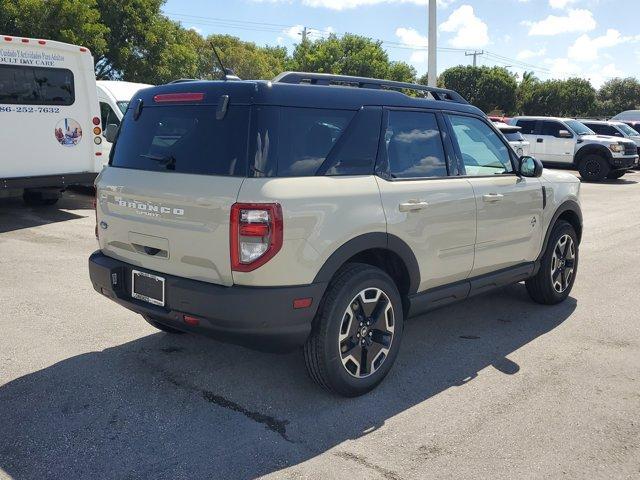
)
(540, 140)
(492, 197)
(413, 206)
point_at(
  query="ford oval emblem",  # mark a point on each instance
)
(103, 225)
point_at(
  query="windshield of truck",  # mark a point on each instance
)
(627, 130)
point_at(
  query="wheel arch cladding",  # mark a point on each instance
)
(570, 212)
(382, 250)
(593, 149)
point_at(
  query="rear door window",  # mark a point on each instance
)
(552, 129)
(413, 145)
(184, 139)
(604, 129)
(21, 85)
(528, 126)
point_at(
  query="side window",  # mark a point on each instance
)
(605, 130)
(108, 115)
(414, 146)
(552, 129)
(482, 151)
(528, 126)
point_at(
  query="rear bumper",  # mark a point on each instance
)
(48, 181)
(258, 317)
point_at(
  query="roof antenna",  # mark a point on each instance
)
(228, 74)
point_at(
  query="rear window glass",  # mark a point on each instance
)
(184, 139)
(295, 142)
(514, 136)
(20, 85)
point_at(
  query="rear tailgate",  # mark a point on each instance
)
(164, 202)
(171, 223)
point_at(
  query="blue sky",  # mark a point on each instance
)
(593, 39)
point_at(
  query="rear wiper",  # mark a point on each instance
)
(168, 161)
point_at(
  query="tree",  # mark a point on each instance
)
(574, 97)
(618, 95)
(349, 55)
(488, 88)
(70, 21)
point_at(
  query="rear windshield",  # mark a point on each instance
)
(184, 139)
(20, 85)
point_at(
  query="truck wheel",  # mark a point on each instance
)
(357, 331)
(594, 168)
(161, 326)
(37, 199)
(617, 174)
(558, 266)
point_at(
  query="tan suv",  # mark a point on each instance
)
(322, 211)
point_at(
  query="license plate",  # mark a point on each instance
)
(147, 287)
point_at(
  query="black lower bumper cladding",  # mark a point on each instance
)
(258, 317)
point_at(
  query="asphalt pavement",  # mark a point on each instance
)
(496, 387)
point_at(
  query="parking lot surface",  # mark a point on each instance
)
(495, 387)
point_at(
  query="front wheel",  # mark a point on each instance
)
(357, 331)
(558, 266)
(594, 168)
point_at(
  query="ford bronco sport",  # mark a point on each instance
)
(322, 211)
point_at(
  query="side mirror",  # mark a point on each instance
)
(110, 132)
(565, 134)
(530, 167)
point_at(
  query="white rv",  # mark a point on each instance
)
(114, 98)
(50, 128)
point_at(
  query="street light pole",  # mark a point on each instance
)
(432, 72)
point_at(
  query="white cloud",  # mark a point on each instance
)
(351, 4)
(586, 49)
(196, 29)
(528, 54)
(562, 68)
(413, 39)
(561, 4)
(576, 20)
(295, 32)
(471, 32)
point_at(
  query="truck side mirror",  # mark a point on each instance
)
(565, 134)
(110, 132)
(530, 167)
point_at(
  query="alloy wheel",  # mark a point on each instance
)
(563, 263)
(366, 332)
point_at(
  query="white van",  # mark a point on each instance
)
(114, 98)
(49, 118)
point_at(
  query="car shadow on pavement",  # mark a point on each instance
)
(183, 406)
(15, 215)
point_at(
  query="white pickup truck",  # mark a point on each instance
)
(564, 141)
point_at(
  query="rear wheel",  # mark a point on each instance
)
(617, 174)
(558, 266)
(594, 168)
(357, 331)
(160, 326)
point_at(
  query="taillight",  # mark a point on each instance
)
(255, 234)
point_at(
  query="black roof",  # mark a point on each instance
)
(263, 92)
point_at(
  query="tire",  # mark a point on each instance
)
(542, 287)
(616, 175)
(35, 199)
(594, 168)
(333, 351)
(161, 326)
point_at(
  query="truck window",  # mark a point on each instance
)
(552, 129)
(21, 85)
(604, 129)
(528, 126)
(108, 116)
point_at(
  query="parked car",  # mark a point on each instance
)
(568, 142)
(614, 129)
(630, 117)
(49, 119)
(515, 138)
(304, 212)
(114, 97)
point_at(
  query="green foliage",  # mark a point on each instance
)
(574, 97)
(488, 88)
(349, 55)
(618, 95)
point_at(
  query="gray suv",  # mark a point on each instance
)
(321, 211)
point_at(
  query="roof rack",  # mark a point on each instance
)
(441, 94)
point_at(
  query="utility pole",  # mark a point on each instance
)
(474, 54)
(432, 64)
(304, 49)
